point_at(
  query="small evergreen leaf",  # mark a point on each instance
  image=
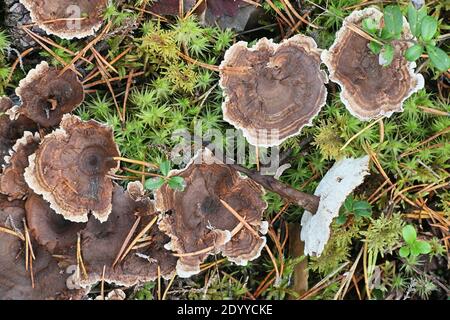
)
(413, 53)
(369, 25)
(404, 252)
(428, 28)
(413, 20)
(393, 21)
(415, 250)
(341, 219)
(409, 234)
(386, 55)
(439, 58)
(177, 183)
(165, 167)
(375, 47)
(348, 204)
(154, 183)
(423, 247)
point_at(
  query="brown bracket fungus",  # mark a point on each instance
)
(46, 95)
(12, 181)
(15, 280)
(333, 189)
(272, 90)
(170, 7)
(370, 90)
(67, 19)
(101, 243)
(49, 229)
(198, 223)
(71, 166)
(10, 129)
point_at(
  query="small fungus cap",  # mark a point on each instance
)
(272, 90)
(67, 19)
(197, 222)
(370, 90)
(46, 95)
(71, 168)
(12, 181)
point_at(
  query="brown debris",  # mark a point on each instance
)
(46, 95)
(272, 90)
(71, 166)
(12, 181)
(197, 222)
(102, 242)
(170, 7)
(370, 90)
(67, 19)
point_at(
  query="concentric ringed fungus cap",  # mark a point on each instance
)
(15, 281)
(71, 166)
(46, 95)
(333, 189)
(198, 223)
(67, 19)
(370, 90)
(11, 129)
(12, 181)
(272, 90)
(101, 243)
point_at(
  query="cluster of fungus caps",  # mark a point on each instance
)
(273, 90)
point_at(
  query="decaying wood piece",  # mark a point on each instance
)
(46, 95)
(272, 90)
(197, 222)
(71, 166)
(333, 189)
(67, 19)
(370, 90)
(12, 181)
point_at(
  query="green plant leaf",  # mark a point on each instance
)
(154, 183)
(369, 25)
(409, 234)
(393, 21)
(413, 20)
(387, 55)
(348, 204)
(404, 252)
(165, 167)
(375, 47)
(428, 28)
(439, 58)
(413, 53)
(362, 209)
(177, 183)
(423, 247)
(341, 219)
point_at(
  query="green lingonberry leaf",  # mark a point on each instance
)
(165, 167)
(369, 25)
(413, 20)
(386, 55)
(428, 28)
(154, 183)
(375, 47)
(341, 219)
(362, 209)
(423, 247)
(348, 204)
(393, 22)
(404, 252)
(439, 58)
(177, 183)
(409, 234)
(413, 53)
